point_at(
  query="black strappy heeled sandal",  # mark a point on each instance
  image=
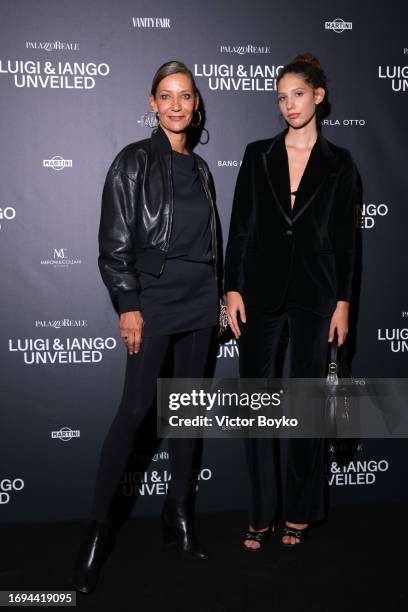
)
(300, 534)
(257, 536)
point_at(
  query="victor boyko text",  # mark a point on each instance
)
(302, 408)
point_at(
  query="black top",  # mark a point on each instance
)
(184, 296)
(191, 232)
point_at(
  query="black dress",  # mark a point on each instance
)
(184, 297)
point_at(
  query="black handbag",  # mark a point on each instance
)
(341, 421)
(341, 414)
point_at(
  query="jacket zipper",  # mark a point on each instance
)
(171, 213)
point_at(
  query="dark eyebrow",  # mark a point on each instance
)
(282, 93)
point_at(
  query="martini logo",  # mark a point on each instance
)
(65, 434)
(338, 25)
(57, 163)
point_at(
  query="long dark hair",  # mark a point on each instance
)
(309, 68)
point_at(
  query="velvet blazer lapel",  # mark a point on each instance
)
(276, 165)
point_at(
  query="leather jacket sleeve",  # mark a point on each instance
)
(117, 251)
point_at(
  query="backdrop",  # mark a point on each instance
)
(75, 78)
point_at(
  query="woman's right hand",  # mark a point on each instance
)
(131, 329)
(235, 306)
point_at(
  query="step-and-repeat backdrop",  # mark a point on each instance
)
(74, 79)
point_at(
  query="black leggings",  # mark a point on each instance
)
(191, 351)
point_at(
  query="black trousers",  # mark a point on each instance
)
(191, 350)
(258, 348)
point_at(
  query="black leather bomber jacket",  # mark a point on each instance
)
(137, 213)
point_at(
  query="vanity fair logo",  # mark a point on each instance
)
(338, 25)
(7, 213)
(60, 351)
(363, 472)
(61, 323)
(151, 22)
(368, 214)
(396, 337)
(57, 163)
(65, 434)
(398, 75)
(345, 122)
(60, 259)
(244, 49)
(228, 77)
(229, 163)
(55, 45)
(8, 487)
(54, 75)
(228, 350)
(155, 483)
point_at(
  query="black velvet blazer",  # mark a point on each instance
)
(313, 244)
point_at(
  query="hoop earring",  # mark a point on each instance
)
(195, 125)
(151, 119)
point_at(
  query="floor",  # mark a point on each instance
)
(355, 561)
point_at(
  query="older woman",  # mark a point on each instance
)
(158, 258)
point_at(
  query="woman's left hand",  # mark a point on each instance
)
(339, 323)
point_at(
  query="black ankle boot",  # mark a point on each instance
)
(177, 520)
(92, 554)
